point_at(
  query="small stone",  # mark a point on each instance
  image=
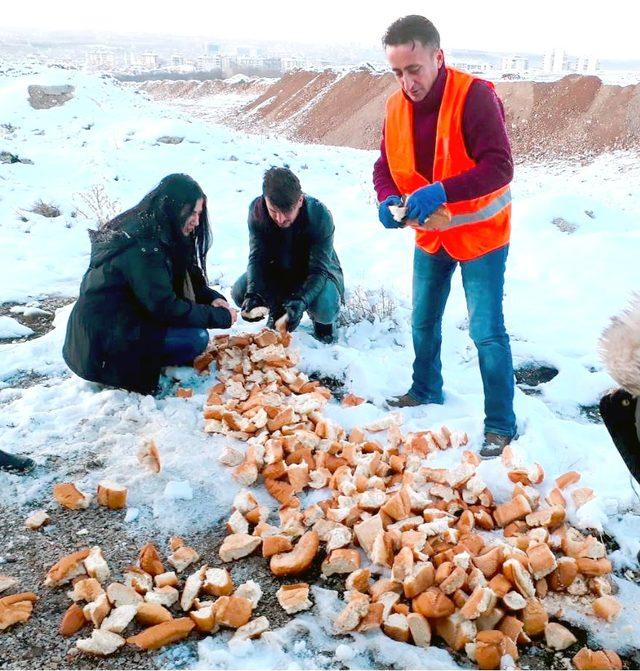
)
(45, 97)
(8, 157)
(563, 225)
(170, 139)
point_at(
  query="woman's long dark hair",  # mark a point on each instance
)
(163, 212)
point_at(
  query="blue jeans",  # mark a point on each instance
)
(326, 306)
(182, 345)
(483, 281)
(324, 309)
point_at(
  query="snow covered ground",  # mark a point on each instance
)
(573, 263)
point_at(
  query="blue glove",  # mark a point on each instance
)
(425, 201)
(384, 213)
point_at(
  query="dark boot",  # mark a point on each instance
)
(494, 444)
(404, 401)
(323, 333)
(618, 410)
(13, 463)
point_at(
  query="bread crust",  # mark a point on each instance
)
(162, 634)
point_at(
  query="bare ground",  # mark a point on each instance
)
(28, 555)
(42, 323)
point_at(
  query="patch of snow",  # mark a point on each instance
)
(27, 311)
(238, 79)
(622, 634)
(178, 490)
(11, 328)
(308, 642)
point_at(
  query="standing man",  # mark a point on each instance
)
(293, 266)
(445, 146)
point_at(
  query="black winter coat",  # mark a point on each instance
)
(127, 300)
(294, 261)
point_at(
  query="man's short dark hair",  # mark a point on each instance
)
(411, 29)
(282, 188)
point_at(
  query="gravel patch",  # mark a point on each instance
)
(28, 555)
(39, 324)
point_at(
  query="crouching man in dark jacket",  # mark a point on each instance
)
(293, 266)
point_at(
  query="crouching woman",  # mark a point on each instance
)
(144, 301)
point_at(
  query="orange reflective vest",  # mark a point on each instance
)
(479, 225)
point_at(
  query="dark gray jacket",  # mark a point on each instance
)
(294, 261)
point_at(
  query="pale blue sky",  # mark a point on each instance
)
(606, 30)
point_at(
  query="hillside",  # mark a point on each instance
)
(574, 116)
(572, 264)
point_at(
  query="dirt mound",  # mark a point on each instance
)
(329, 107)
(170, 89)
(575, 116)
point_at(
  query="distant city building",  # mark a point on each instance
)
(212, 49)
(514, 64)
(179, 63)
(273, 64)
(288, 63)
(247, 52)
(587, 65)
(227, 63)
(292, 63)
(106, 59)
(208, 62)
(247, 61)
(555, 61)
(470, 66)
(149, 61)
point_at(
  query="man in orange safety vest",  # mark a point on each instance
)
(445, 157)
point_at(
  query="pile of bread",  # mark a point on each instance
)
(164, 607)
(419, 547)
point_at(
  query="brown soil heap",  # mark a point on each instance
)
(193, 90)
(574, 116)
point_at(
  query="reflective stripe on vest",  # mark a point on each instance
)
(479, 225)
(483, 213)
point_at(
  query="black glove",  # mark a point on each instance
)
(295, 308)
(251, 302)
(275, 313)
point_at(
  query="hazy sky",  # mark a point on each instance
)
(610, 31)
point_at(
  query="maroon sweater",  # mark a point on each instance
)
(485, 138)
